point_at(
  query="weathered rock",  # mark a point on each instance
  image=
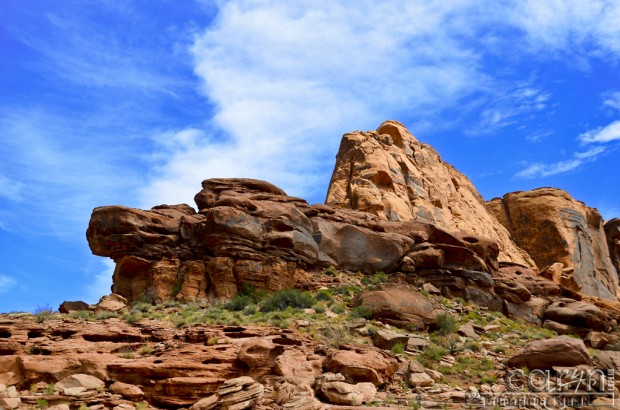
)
(111, 303)
(128, 391)
(68, 307)
(337, 391)
(362, 364)
(576, 313)
(554, 228)
(392, 175)
(301, 397)
(386, 339)
(10, 403)
(598, 340)
(85, 381)
(612, 235)
(418, 376)
(562, 351)
(297, 368)
(259, 353)
(398, 305)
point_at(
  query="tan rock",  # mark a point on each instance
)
(337, 391)
(362, 364)
(612, 235)
(300, 397)
(86, 381)
(12, 403)
(128, 391)
(598, 340)
(398, 305)
(555, 228)
(386, 339)
(111, 303)
(576, 313)
(391, 174)
(297, 368)
(562, 351)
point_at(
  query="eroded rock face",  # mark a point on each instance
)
(562, 234)
(612, 234)
(389, 173)
(562, 351)
(249, 231)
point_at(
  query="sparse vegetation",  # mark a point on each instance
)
(361, 312)
(446, 324)
(283, 299)
(42, 313)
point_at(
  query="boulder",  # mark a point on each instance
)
(294, 397)
(576, 313)
(337, 391)
(85, 381)
(111, 303)
(555, 228)
(297, 367)
(398, 305)
(386, 338)
(68, 307)
(562, 351)
(128, 391)
(362, 364)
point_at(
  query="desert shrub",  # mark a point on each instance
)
(473, 346)
(319, 308)
(323, 295)
(81, 314)
(452, 343)
(446, 324)
(338, 308)
(42, 313)
(331, 271)
(283, 299)
(104, 314)
(42, 403)
(432, 353)
(376, 279)
(398, 348)
(361, 311)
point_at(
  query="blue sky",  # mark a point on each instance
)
(136, 102)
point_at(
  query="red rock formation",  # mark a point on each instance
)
(249, 231)
(612, 234)
(562, 235)
(389, 173)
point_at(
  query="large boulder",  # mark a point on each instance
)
(557, 230)
(398, 305)
(562, 351)
(389, 173)
(362, 364)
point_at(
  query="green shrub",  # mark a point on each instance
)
(376, 279)
(104, 314)
(81, 314)
(41, 403)
(319, 308)
(42, 313)
(331, 271)
(398, 348)
(283, 299)
(361, 311)
(432, 353)
(446, 324)
(338, 308)
(238, 303)
(323, 295)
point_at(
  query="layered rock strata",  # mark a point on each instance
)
(565, 238)
(249, 231)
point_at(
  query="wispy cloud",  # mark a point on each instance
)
(577, 160)
(10, 188)
(6, 283)
(611, 99)
(608, 133)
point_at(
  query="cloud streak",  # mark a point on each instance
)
(578, 159)
(608, 133)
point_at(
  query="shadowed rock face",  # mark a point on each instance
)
(249, 231)
(612, 233)
(389, 173)
(562, 234)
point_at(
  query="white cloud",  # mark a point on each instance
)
(6, 283)
(560, 167)
(612, 100)
(610, 132)
(10, 189)
(574, 28)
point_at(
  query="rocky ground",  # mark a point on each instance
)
(282, 350)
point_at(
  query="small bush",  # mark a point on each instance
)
(452, 343)
(49, 389)
(398, 348)
(331, 271)
(361, 312)
(42, 313)
(104, 314)
(81, 314)
(446, 324)
(287, 298)
(432, 353)
(146, 350)
(42, 403)
(338, 308)
(499, 349)
(212, 341)
(238, 303)
(319, 308)
(488, 379)
(323, 295)
(376, 279)
(473, 346)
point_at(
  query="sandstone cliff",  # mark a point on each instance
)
(565, 238)
(389, 173)
(612, 232)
